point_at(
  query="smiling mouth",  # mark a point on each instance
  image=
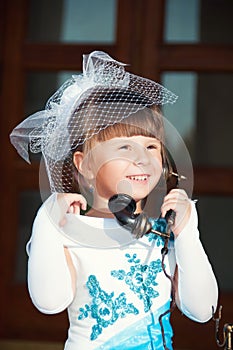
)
(139, 178)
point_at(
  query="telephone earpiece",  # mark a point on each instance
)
(123, 207)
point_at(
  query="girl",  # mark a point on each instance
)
(102, 134)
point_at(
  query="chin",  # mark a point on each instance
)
(138, 196)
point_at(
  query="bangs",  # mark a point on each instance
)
(147, 122)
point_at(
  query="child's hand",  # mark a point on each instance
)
(70, 203)
(178, 201)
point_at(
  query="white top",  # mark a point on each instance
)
(121, 288)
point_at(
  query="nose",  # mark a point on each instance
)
(141, 156)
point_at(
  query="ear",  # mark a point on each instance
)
(82, 165)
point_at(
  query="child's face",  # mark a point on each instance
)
(130, 165)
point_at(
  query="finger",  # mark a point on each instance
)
(166, 207)
(178, 191)
(78, 198)
(74, 202)
(76, 208)
(79, 204)
(176, 205)
(83, 203)
(175, 200)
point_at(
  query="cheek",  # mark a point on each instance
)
(110, 178)
(101, 161)
(157, 163)
(113, 169)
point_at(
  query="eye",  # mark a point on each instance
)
(153, 146)
(125, 147)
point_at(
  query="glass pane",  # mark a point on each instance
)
(214, 120)
(182, 21)
(215, 223)
(197, 21)
(203, 115)
(41, 86)
(183, 113)
(72, 21)
(216, 22)
(29, 202)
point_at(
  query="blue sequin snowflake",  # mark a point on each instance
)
(141, 279)
(161, 226)
(104, 308)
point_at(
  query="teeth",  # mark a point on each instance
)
(138, 178)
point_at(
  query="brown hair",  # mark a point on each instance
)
(146, 122)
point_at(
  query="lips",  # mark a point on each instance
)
(139, 178)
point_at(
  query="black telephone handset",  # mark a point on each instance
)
(123, 207)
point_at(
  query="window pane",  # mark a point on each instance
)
(183, 113)
(214, 120)
(182, 21)
(197, 21)
(202, 115)
(40, 86)
(216, 21)
(78, 21)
